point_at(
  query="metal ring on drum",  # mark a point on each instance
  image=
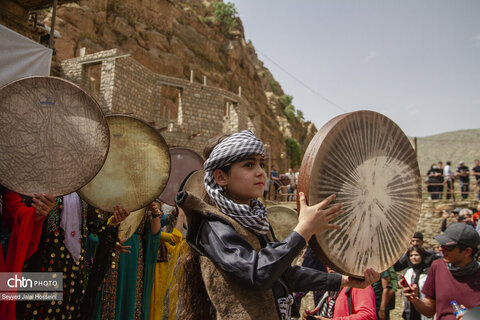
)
(367, 161)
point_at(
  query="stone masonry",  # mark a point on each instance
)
(127, 87)
(431, 217)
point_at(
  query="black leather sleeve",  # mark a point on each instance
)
(307, 279)
(262, 269)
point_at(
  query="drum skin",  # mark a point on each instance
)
(54, 136)
(128, 226)
(184, 161)
(367, 161)
(136, 169)
(283, 220)
(195, 184)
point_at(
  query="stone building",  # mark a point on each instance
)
(186, 113)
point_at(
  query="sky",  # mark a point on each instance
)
(417, 62)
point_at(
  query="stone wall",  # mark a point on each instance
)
(431, 216)
(187, 113)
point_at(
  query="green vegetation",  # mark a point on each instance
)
(289, 112)
(275, 87)
(294, 151)
(225, 14)
(288, 109)
(285, 100)
(299, 115)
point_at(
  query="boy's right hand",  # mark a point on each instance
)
(314, 219)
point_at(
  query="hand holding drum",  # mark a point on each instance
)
(314, 219)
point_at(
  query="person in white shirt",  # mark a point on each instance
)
(449, 178)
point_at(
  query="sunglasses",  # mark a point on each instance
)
(449, 248)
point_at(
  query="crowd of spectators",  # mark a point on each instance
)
(429, 281)
(441, 180)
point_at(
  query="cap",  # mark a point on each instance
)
(460, 162)
(418, 235)
(457, 210)
(459, 233)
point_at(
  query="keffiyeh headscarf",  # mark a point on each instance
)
(236, 148)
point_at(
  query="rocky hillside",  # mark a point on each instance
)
(454, 146)
(174, 37)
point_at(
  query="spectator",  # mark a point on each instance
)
(385, 293)
(463, 174)
(449, 178)
(417, 275)
(465, 216)
(476, 217)
(434, 179)
(275, 180)
(441, 178)
(476, 174)
(438, 252)
(456, 277)
(461, 214)
(292, 185)
(404, 261)
(348, 303)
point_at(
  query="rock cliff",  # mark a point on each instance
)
(175, 38)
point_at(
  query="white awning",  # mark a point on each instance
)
(21, 57)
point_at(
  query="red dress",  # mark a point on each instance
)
(23, 242)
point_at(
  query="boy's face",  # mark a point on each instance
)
(245, 180)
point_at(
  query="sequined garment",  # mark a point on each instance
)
(110, 288)
(53, 256)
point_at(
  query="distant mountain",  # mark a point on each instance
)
(454, 146)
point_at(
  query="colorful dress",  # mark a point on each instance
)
(53, 256)
(167, 277)
(127, 289)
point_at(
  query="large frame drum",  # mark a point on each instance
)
(136, 170)
(184, 161)
(54, 136)
(367, 161)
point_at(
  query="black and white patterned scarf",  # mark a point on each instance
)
(235, 148)
(326, 305)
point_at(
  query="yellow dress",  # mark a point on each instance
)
(167, 277)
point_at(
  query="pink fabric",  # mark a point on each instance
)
(363, 305)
